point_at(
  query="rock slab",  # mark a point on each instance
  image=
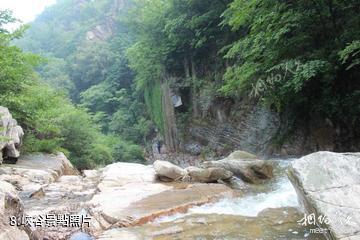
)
(130, 195)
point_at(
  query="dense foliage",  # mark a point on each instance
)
(51, 122)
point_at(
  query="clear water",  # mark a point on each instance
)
(280, 194)
(244, 217)
(284, 195)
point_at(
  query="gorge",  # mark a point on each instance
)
(180, 119)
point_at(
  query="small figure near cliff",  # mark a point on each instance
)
(158, 146)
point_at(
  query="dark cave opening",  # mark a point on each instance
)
(6, 158)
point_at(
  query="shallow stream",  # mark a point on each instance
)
(268, 211)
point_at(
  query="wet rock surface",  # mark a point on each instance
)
(271, 224)
(328, 184)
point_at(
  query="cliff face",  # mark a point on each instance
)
(227, 125)
(253, 130)
(107, 27)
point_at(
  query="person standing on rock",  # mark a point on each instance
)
(158, 146)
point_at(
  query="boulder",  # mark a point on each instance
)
(10, 206)
(328, 185)
(193, 148)
(11, 135)
(90, 174)
(250, 170)
(169, 170)
(54, 162)
(208, 175)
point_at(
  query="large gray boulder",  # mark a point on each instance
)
(249, 169)
(168, 170)
(193, 148)
(328, 184)
(11, 135)
(208, 175)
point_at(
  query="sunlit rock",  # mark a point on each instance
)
(140, 199)
(37, 168)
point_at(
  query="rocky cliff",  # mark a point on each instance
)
(224, 125)
(10, 136)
